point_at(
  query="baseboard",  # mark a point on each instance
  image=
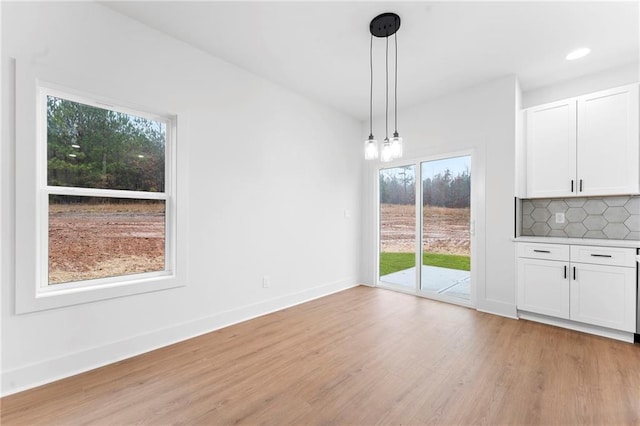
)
(502, 309)
(48, 371)
(624, 336)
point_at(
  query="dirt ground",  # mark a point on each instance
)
(97, 241)
(444, 230)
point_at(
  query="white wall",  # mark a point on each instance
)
(482, 119)
(269, 202)
(589, 83)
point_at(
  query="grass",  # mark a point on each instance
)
(394, 262)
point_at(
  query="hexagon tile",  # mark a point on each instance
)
(614, 218)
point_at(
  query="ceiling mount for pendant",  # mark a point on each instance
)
(385, 24)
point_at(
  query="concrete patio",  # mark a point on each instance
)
(434, 279)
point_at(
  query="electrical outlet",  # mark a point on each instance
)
(560, 217)
(266, 282)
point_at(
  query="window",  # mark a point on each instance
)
(105, 189)
(106, 203)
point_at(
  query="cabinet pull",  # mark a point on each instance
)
(574, 273)
(571, 185)
(541, 251)
(601, 255)
(565, 272)
(580, 185)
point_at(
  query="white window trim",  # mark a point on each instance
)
(32, 291)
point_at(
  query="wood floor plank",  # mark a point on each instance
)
(362, 356)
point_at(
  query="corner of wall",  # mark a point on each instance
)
(502, 309)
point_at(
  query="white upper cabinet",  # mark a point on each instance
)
(584, 146)
(608, 153)
(551, 150)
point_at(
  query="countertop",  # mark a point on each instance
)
(578, 241)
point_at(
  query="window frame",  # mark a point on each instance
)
(38, 294)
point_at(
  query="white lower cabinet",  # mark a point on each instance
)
(604, 296)
(543, 287)
(598, 289)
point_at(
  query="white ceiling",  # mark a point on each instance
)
(321, 49)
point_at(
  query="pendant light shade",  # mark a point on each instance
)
(396, 145)
(370, 148)
(384, 26)
(387, 152)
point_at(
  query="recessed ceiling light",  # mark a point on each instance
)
(578, 53)
(72, 155)
(140, 156)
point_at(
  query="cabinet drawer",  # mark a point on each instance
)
(614, 256)
(543, 251)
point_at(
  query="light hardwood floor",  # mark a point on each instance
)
(362, 356)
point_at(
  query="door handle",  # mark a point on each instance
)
(541, 251)
(600, 255)
(571, 185)
(580, 185)
(565, 272)
(574, 273)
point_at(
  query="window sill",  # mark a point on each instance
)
(33, 300)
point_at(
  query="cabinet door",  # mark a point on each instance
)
(551, 150)
(604, 296)
(543, 288)
(608, 152)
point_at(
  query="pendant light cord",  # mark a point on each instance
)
(395, 91)
(386, 102)
(371, 86)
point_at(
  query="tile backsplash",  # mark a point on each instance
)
(615, 218)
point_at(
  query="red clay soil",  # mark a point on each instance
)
(96, 241)
(444, 230)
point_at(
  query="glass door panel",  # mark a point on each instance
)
(397, 250)
(446, 213)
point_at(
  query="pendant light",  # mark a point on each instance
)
(396, 140)
(384, 25)
(371, 144)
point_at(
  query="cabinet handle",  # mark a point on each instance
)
(565, 272)
(601, 255)
(541, 251)
(571, 185)
(574, 273)
(580, 185)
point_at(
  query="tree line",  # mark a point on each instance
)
(98, 148)
(441, 190)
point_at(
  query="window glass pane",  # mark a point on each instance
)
(446, 241)
(398, 226)
(93, 237)
(93, 147)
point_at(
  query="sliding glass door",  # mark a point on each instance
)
(424, 219)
